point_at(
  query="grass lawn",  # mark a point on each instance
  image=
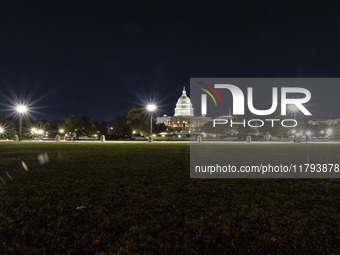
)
(139, 199)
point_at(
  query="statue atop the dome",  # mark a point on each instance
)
(184, 93)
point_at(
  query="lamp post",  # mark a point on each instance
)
(33, 131)
(293, 109)
(308, 135)
(61, 132)
(21, 109)
(151, 108)
(329, 133)
(1, 132)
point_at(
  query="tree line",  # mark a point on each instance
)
(136, 122)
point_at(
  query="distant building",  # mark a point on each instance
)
(183, 120)
(328, 122)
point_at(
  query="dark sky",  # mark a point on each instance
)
(99, 58)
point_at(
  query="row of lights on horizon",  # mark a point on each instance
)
(22, 109)
(329, 132)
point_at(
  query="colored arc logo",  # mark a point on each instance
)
(209, 93)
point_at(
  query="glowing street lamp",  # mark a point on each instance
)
(21, 109)
(1, 131)
(61, 131)
(308, 133)
(293, 109)
(33, 131)
(151, 108)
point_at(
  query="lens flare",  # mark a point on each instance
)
(80, 207)
(24, 166)
(43, 158)
(2, 180)
(9, 176)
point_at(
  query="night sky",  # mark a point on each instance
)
(100, 58)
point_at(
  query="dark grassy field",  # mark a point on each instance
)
(139, 199)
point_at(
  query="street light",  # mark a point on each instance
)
(329, 131)
(1, 131)
(151, 108)
(308, 135)
(21, 109)
(292, 108)
(33, 131)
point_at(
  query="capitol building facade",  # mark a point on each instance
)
(184, 120)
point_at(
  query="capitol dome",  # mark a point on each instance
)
(184, 105)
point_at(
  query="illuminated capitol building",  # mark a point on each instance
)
(184, 119)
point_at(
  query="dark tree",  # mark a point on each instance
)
(139, 120)
(82, 125)
(120, 128)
